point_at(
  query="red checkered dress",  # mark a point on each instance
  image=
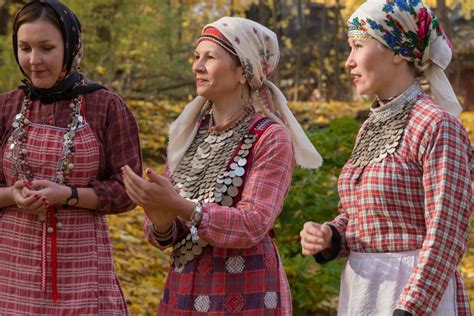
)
(241, 273)
(86, 280)
(417, 198)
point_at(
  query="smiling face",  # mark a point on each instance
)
(216, 72)
(372, 67)
(41, 52)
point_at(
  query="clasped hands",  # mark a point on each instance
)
(159, 199)
(37, 195)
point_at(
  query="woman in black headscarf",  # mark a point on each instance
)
(64, 140)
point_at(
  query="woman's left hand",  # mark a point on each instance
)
(53, 192)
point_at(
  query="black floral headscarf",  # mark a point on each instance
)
(73, 83)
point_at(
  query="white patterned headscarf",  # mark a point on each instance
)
(413, 31)
(257, 49)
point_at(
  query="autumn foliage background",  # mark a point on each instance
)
(143, 51)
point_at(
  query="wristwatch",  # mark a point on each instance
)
(73, 198)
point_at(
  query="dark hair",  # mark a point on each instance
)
(236, 60)
(34, 12)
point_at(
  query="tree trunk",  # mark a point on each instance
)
(442, 13)
(261, 13)
(299, 48)
(276, 13)
(337, 69)
(4, 17)
(322, 55)
(231, 8)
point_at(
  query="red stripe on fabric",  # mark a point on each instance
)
(54, 254)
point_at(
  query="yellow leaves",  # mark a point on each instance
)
(148, 9)
(287, 42)
(322, 113)
(100, 70)
(467, 264)
(153, 121)
(141, 268)
(467, 119)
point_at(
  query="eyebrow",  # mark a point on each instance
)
(206, 52)
(40, 42)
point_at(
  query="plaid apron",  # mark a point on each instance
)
(70, 271)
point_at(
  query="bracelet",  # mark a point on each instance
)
(194, 221)
(163, 236)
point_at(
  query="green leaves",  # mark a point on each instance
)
(313, 197)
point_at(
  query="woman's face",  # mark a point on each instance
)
(371, 66)
(217, 75)
(41, 53)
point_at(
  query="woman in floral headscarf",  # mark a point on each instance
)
(405, 193)
(232, 168)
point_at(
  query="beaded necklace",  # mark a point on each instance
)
(18, 153)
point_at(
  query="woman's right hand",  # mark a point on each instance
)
(315, 238)
(27, 200)
(147, 194)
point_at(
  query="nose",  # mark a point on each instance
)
(35, 57)
(198, 65)
(350, 63)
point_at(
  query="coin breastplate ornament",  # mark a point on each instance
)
(213, 170)
(384, 128)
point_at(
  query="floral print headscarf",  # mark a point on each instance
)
(257, 49)
(413, 31)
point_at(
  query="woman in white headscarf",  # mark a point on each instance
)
(405, 193)
(232, 168)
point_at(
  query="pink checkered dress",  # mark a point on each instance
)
(86, 281)
(241, 272)
(418, 198)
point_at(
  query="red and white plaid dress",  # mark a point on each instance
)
(418, 198)
(86, 280)
(240, 273)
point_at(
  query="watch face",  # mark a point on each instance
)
(72, 201)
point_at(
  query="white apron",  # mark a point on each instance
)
(372, 283)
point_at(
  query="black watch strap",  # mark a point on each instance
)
(73, 198)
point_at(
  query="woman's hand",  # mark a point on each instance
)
(27, 200)
(53, 192)
(315, 238)
(159, 199)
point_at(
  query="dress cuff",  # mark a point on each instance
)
(401, 312)
(328, 255)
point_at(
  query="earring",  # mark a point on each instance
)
(397, 59)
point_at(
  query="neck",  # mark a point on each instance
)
(394, 90)
(224, 114)
(225, 111)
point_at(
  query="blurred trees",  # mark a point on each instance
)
(143, 49)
